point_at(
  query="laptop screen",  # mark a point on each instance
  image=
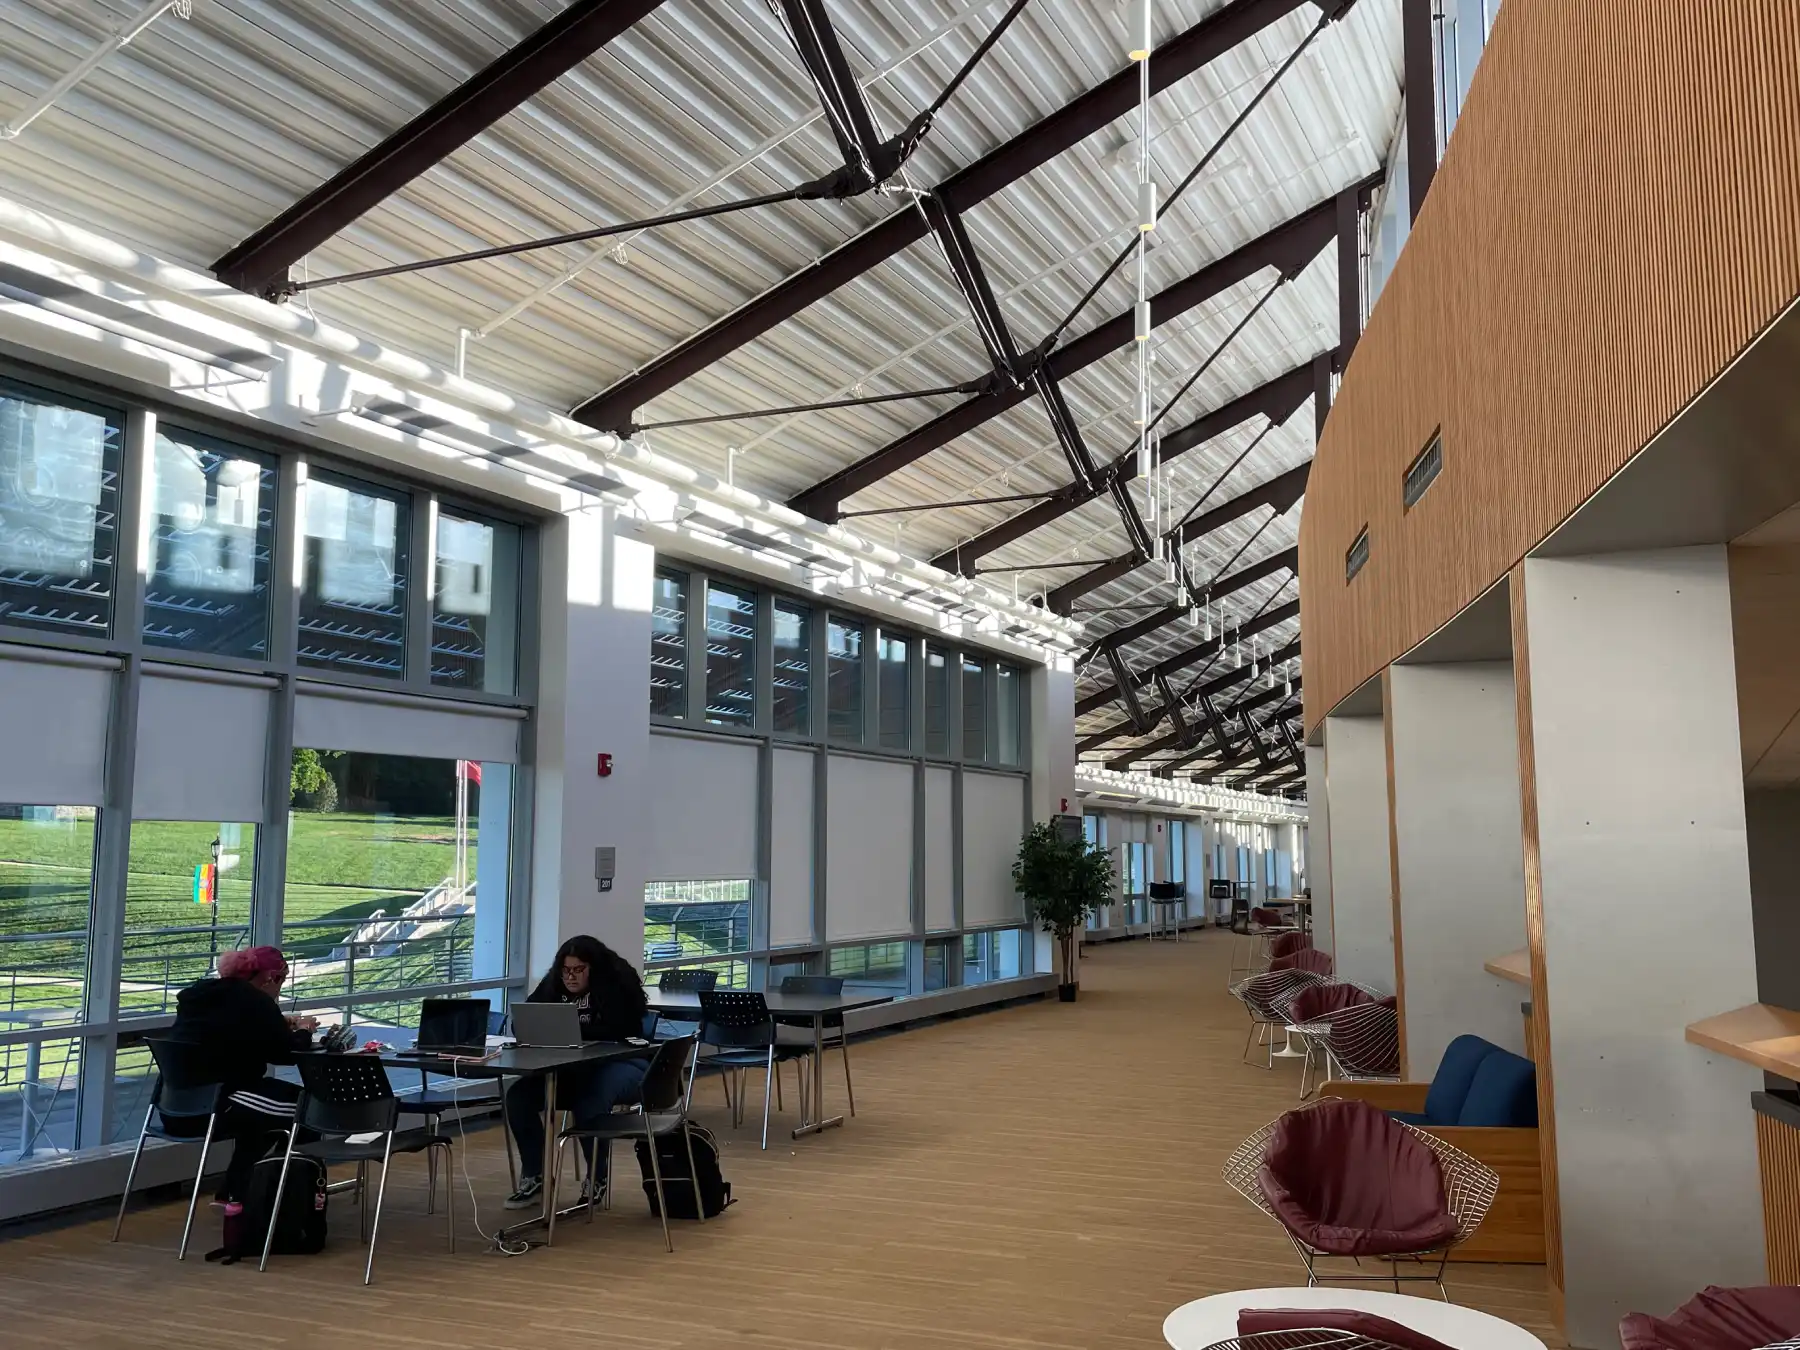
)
(452, 1021)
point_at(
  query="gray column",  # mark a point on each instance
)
(1645, 898)
(1461, 868)
(1362, 899)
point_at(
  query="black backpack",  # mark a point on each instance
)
(299, 1228)
(672, 1159)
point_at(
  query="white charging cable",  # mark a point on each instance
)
(503, 1245)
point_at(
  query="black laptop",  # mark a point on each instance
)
(452, 1027)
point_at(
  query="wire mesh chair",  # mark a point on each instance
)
(1363, 1043)
(1309, 1338)
(1312, 1012)
(1265, 997)
(1469, 1187)
(1252, 947)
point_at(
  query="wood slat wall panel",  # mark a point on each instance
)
(1617, 215)
(1778, 1149)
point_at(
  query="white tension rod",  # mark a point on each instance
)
(122, 36)
(1143, 40)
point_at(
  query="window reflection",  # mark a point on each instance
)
(844, 675)
(668, 645)
(475, 605)
(793, 668)
(730, 657)
(937, 702)
(59, 487)
(895, 692)
(353, 579)
(1007, 700)
(974, 709)
(210, 546)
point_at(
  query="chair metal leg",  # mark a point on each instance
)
(194, 1199)
(562, 1146)
(362, 1202)
(849, 1091)
(449, 1196)
(779, 1104)
(694, 1175)
(280, 1189)
(387, 1155)
(768, 1077)
(662, 1203)
(431, 1169)
(131, 1176)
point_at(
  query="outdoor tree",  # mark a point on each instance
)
(310, 784)
(1063, 880)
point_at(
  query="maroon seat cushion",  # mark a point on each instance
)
(1348, 1180)
(1267, 918)
(1316, 1000)
(1718, 1319)
(1251, 1321)
(1306, 958)
(1286, 944)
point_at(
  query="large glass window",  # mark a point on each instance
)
(668, 645)
(730, 657)
(353, 570)
(895, 691)
(475, 604)
(992, 956)
(40, 1099)
(209, 546)
(937, 701)
(188, 887)
(937, 964)
(1008, 681)
(396, 872)
(46, 884)
(703, 925)
(59, 512)
(880, 965)
(974, 709)
(844, 677)
(792, 709)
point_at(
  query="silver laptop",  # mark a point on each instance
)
(546, 1026)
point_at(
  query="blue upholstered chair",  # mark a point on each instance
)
(1479, 1084)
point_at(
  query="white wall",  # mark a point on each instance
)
(1362, 885)
(1462, 869)
(594, 688)
(1647, 927)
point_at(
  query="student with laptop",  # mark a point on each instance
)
(608, 998)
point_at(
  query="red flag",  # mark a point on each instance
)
(470, 770)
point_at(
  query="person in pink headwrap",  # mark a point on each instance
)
(235, 1020)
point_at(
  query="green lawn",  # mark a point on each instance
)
(342, 867)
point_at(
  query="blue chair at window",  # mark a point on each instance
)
(738, 1026)
(185, 1095)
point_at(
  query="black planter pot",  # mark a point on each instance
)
(1067, 992)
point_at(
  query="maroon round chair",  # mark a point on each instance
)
(1346, 1180)
(1286, 944)
(1268, 1323)
(1304, 958)
(1318, 1000)
(1719, 1319)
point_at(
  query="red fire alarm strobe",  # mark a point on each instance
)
(604, 766)
(1065, 806)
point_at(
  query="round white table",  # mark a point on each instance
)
(1207, 1321)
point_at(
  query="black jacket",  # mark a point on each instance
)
(611, 1010)
(241, 1029)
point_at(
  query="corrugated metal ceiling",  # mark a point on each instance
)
(203, 130)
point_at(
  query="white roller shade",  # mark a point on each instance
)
(201, 751)
(940, 848)
(868, 849)
(702, 811)
(425, 729)
(993, 820)
(791, 863)
(53, 729)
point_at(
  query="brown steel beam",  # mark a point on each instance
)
(1286, 560)
(1192, 655)
(1099, 107)
(260, 263)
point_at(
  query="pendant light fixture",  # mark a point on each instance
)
(1287, 682)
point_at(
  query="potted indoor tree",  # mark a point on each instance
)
(1063, 880)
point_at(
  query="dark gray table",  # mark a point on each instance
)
(804, 1009)
(520, 1061)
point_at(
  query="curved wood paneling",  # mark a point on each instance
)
(1778, 1152)
(1617, 215)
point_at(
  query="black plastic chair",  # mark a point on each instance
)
(662, 1110)
(739, 1027)
(833, 1023)
(181, 1093)
(679, 982)
(433, 1105)
(344, 1095)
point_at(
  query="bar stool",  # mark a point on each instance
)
(1164, 896)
